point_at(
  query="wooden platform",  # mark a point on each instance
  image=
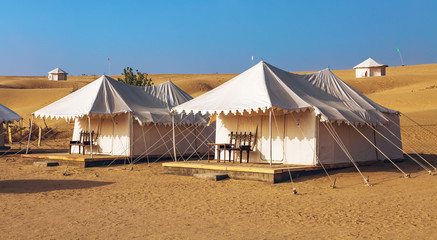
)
(76, 159)
(260, 172)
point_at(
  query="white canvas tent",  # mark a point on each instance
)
(6, 116)
(289, 112)
(369, 68)
(129, 120)
(57, 74)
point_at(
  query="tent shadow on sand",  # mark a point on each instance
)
(43, 185)
(407, 165)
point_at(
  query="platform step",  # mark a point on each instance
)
(46, 164)
(211, 176)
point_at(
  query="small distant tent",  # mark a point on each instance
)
(299, 118)
(57, 74)
(130, 120)
(6, 116)
(369, 68)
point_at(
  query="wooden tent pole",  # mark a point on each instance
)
(131, 151)
(91, 140)
(270, 136)
(30, 133)
(174, 136)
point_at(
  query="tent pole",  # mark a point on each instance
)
(270, 136)
(91, 140)
(131, 121)
(174, 137)
(30, 133)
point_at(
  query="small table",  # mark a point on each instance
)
(220, 146)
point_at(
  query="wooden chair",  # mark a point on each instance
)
(88, 140)
(244, 142)
(84, 140)
(77, 142)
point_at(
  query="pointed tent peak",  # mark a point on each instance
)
(105, 77)
(369, 63)
(169, 93)
(58, 70)
(326, 70)
(167, 83)
(7, 115)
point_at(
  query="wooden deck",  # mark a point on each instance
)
(76, 159)
(260, 172)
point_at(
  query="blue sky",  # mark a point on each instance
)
(211, 36)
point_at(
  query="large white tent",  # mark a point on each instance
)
(6, 116)
(130, 120)
(300, 118)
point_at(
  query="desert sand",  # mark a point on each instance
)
(116, 202)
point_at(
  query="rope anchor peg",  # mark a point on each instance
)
(294, 191)
(407, 175)
(367, 182)
(333, 184)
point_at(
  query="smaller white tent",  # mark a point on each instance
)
(130, 120)
(6, 116)
(369, 68)
(57, 74)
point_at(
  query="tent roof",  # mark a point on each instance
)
(369, 63)
(264, 87)
(106, 96)
(58, 70)
(7, 115)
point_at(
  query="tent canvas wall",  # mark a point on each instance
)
(6, 116)
(129, 120)
(300, 138)
(289, 112)
(122, 135)
(369, 68)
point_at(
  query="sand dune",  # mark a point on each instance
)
(113, 203)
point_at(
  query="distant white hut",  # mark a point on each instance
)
(369, 68)
(57, 74)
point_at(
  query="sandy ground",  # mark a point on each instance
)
(112, 203)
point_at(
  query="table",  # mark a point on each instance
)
(221, 146)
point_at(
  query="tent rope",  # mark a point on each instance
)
(343, 147)
(156, 145)
(409, 147)
(405, 175)
(406, 131)
(394, 144)
(421, 126)
(314, 152)
(283, 155)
